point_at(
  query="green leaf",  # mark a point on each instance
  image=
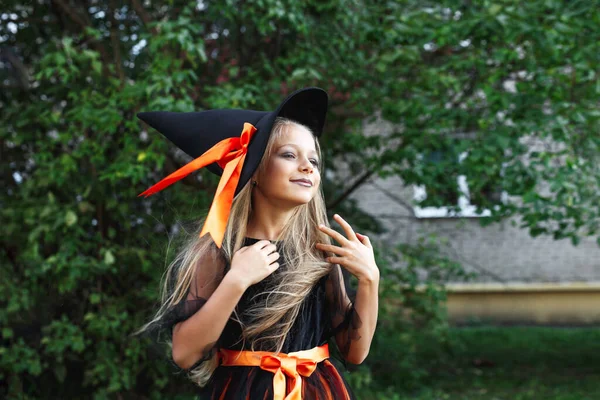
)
(95, 298)
(70, 218)
(7, 333)
(109, 259)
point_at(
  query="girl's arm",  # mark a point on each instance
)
(356, 255)
(356, 339)
(192, 337)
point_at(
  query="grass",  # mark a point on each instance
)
(516, 363)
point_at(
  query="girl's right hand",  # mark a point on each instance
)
(251, 264)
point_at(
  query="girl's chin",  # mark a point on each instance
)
(299, 200)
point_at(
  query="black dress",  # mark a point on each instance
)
(320, 319)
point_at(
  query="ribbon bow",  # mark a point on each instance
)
(230, 154)
(292, 365)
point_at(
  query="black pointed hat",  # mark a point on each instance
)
(230, 143)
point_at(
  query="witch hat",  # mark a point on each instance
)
(230, 143)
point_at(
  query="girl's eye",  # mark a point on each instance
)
(313, 161)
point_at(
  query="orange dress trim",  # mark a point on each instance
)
(293, 365)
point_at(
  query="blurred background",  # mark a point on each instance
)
(463, 137)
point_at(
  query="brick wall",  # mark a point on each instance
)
(498, 253)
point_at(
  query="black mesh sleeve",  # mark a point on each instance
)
(345, 321)
(208, 274)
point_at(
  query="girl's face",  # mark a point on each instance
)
(294, 157)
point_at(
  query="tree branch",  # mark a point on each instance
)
(75, 17)
(143, 15)
(20, 69)
(397, 199)
(114, 39)
(473, 75)
(351, 189)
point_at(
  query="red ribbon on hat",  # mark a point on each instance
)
(230, 154)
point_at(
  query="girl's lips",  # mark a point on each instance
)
(302, 183)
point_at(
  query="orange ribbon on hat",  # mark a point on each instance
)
(292, 365)
(230, 154)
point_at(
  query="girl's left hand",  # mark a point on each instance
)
(356, 253)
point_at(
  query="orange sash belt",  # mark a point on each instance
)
(291, 364)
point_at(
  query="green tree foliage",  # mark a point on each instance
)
(82, 255)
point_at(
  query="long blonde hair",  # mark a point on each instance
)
(304, 265)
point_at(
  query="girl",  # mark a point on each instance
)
(250, 307)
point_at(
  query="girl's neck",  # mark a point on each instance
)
(258, 236)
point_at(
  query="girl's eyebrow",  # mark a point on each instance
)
(296, 146)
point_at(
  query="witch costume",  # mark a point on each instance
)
(231, 143)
